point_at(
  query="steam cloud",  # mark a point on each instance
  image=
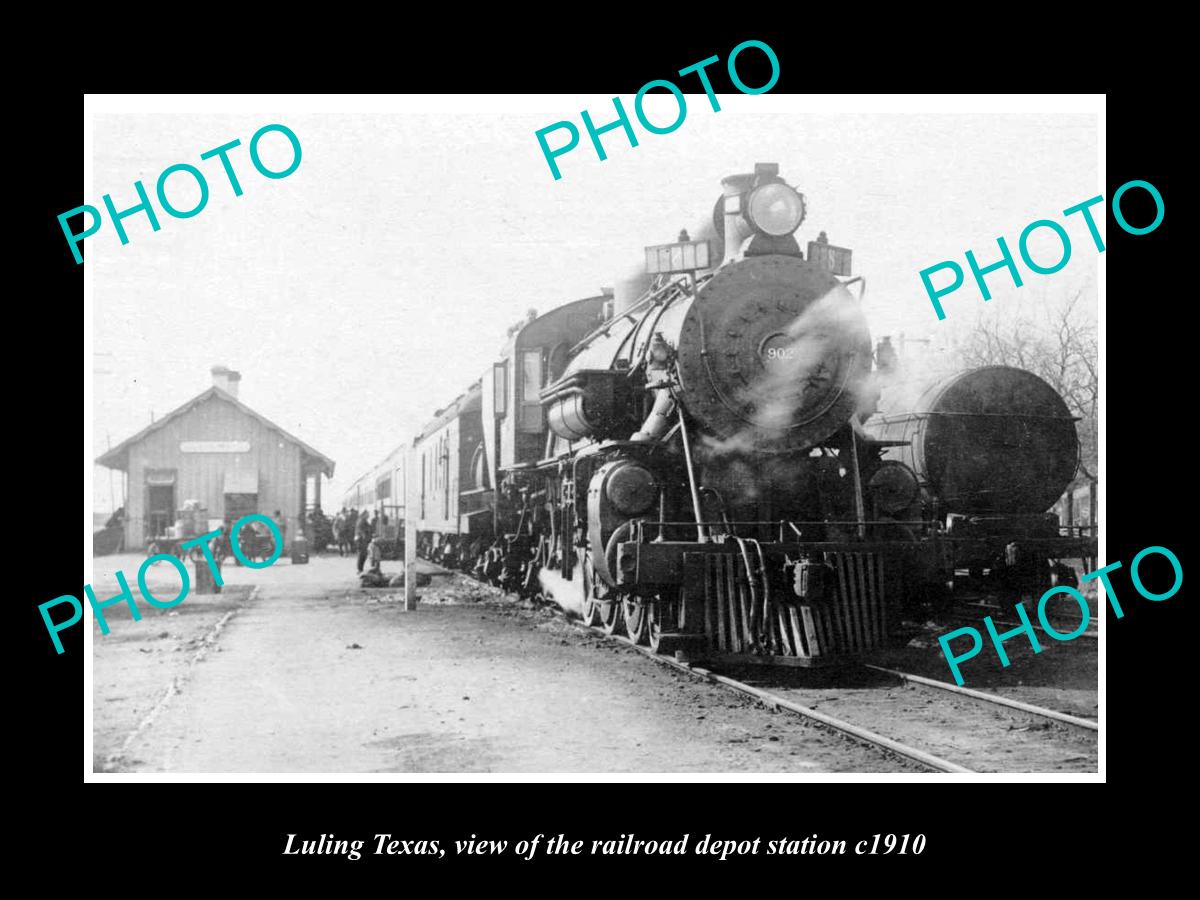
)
(802, 364)
(567, 594)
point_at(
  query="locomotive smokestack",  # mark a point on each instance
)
(704, 231)
(736, 230)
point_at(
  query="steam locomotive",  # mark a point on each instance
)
(695, 459)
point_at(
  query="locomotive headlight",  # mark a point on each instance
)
(775, 209)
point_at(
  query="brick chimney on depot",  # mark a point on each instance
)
(226, 379)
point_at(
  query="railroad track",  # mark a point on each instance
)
(973, 613)
(777, 701)
(1042, 712)
(977, 622)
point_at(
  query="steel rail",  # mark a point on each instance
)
(776, 702)
(995, 699)
(963, 619)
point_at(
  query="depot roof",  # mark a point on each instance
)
(118, 457)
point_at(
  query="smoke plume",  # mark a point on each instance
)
(797, 373)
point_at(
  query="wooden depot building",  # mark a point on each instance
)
(216, 450)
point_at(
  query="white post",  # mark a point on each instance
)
(410, 537)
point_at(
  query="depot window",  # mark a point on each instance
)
(500, 377)
(531, 374)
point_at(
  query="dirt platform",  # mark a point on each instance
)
(310, 673)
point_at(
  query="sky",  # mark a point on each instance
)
(375, 283)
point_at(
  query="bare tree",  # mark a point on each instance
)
(1057, 342)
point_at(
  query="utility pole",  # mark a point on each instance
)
(112, 500)
(410, 534)
(904, 341)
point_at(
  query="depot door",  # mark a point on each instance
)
(238, 505)
(160, 509)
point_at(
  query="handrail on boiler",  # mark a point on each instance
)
(701, 533)
(605, 327)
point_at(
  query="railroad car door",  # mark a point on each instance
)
(446, 477)
(494, 406)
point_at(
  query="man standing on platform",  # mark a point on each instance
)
(338, 524)
(362, 538)
(282, 523)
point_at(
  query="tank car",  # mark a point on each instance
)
(993, 448)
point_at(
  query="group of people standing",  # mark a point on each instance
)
(354, 530)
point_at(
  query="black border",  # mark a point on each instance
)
(1148, 405)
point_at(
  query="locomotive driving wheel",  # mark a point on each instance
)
(609, 609)
(590, 605)
(636, 617)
